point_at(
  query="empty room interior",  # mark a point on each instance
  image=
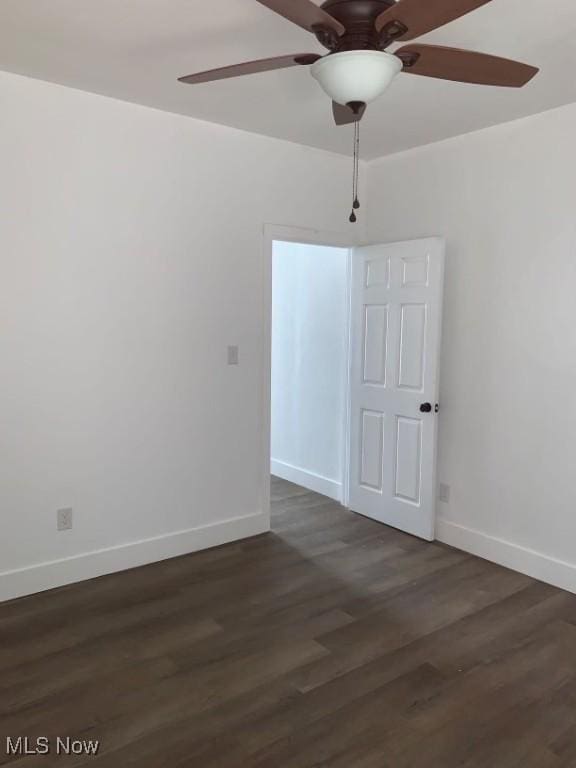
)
(284, 289)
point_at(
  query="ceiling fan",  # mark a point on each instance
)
(357, 68)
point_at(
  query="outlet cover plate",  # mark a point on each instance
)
(233, 356)
(64, 519)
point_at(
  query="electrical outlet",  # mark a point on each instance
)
(233, 356)
(444, 493)
(64, 519)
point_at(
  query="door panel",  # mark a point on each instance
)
(412, 344)
(372, 450)
(415, 271)
(375, 344)
(395, 342)
(377, 273)
(408, 454)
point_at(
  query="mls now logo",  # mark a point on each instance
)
(22, 745)
(25, 746)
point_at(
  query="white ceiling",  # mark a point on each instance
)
(136, 49)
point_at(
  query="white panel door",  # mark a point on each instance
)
(395, 345)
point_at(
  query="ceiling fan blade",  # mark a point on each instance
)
(417, 17)
(344, 115)
(305, 13)
(250, 68)
(464, 66)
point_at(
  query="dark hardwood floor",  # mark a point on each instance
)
(334, 641)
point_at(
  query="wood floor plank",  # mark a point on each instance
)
(334, 641)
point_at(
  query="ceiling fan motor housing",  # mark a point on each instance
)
(358, 17)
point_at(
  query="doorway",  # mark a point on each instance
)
(309, 381)
(361, 382)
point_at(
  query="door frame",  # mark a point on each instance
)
(289, 234)
(305, 236)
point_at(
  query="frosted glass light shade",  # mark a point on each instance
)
(356, 75)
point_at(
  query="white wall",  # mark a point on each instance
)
(309, 354)
(505, 199)
(130, 257)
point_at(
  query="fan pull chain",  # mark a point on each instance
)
(356, 139)
(355, 202)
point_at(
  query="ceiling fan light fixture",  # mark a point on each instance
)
(356, 76)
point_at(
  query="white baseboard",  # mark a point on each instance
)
(310, 480)
(38, 578)
(542, 567)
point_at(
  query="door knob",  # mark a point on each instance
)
(426, 407)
